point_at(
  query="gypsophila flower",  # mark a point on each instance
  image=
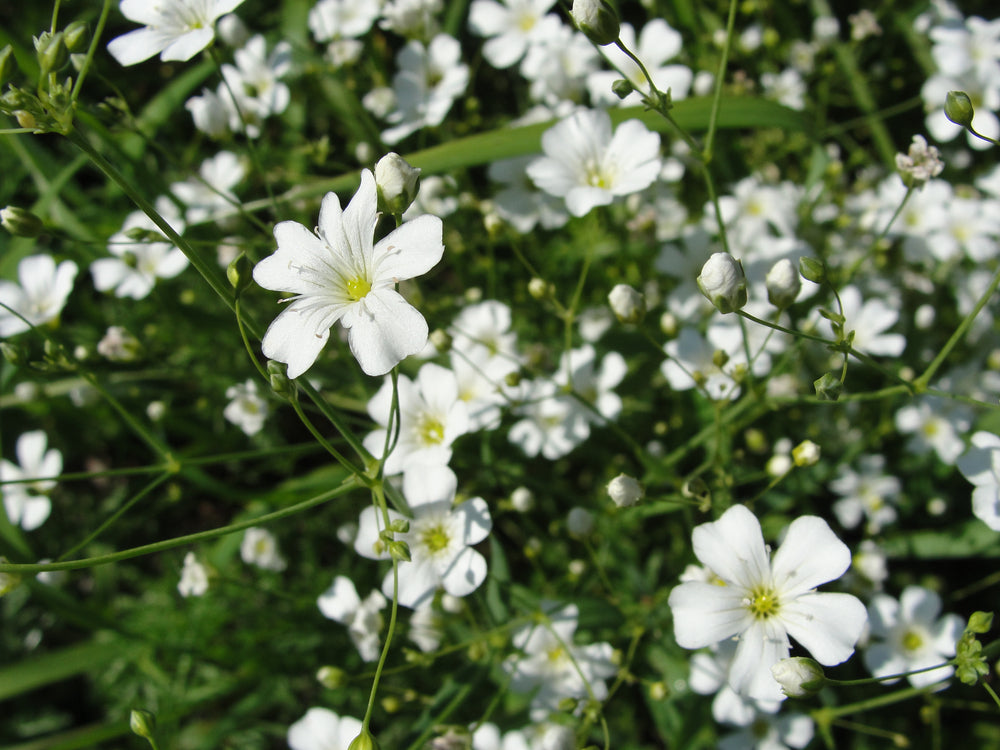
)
(980, 464)
(553, 666)
(39, 298)
(362, 617)
(174, 29)
(625, 491)
(246, 409)
(322, 729)
(908, 635)
(766, 600)
(920, 163)
(260, 548)
(28, 483)
(341, 274)
(723, 282)
(119, 345)
(771, 733)
(194, 577)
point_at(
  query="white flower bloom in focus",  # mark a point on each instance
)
(260, 548)
(342, 274)
(764, 601)
(25, 502)
(588, 166)
(363, 618)
(557, 667)
(40, 296)
(322, 729)
(194, 577)
(138, 263)
(246, 409)
(440, 538)
(176, 29)
(431, 417)
(908, 635)
(980, 464)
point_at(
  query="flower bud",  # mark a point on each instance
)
(805, 453)
(828, 387)
(76, 36)
(798, 676)
(628, 304)
(723, 282)
(397, 183)
(622, 88)
(980, 622)
(51, 51)
(331, 677)
(580, 522)
(522, 500)
(597, 20)
(20, 222)
(625, 491)
(540, 289)
(812, 270)
(142, 723)
(364, 741)
(783, 284)
(277, 375)
(240, 273)
(958, 108)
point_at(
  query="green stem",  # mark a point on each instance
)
(348, 485)
(91, 50)
(713, 118)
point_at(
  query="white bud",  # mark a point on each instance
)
(798, 676)
(522, 500)
(628, 304)
(805, 453)
(723, 282)
(397, 182)
(597, 20)
(783, 284)
(625, 490)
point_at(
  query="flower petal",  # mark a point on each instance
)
(411, 250)
(733, 548)
(389, 330)
(465, 573)
(826, 625)
(761, 646)
(811, 554)
(705, 613)
(291, 339)
(340, 601)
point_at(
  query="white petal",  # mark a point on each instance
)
(761, 646)
(733, 548)
(390, 331)
(291, 339)
(810, 554)
(826, 625)
(417, 583)
(411, 250)
(137, 46)
(465, 573)
(340, 601)
(474, 515)
(705, 613)
(436, 484)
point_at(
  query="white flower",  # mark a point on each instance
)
(786, 87)
(579, 522)
(980, 464)
(341, 603)
(519, 202)
(335, 19)
(628, 304)
(440, 538)
(256, 84)
(431, 417)
(246, 409)
(657, 44)
(322, 729)
(909, 635)
(869, 320)
(771, 733)
(549, 425)
(558, 67)
(210, 195)
(710, 674)
(40, 296)
(25, 499)
(414, 19)
(176, 29)
(723, 282)
(932, 425)
(764, 601)
(920, 163)
(592, 384)
(119, 345)
(341, 274)
(783, 284)
(138, 263)
(511, 27)
(194, 577)
(557, 667)
(260, 548)
(589, 167)
(429, 79)
(866, 493)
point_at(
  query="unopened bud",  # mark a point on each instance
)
(7, 63)
(628, 304)
(828, 387)
(76, 36)
(239, 273)
(364, 741)
(812, 270)
(540, 288)
(142, 723)
(397, 183)
(980, 622)
(958, 108)
(580, 522)
(51, 51)
(622, 88)
(805, 453)
(20, 222)
(331, 677)
(723, 282)
(783, 284)
(597, 20)
(277, 375)
(798, 676)
(625, 491)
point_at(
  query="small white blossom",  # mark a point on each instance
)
(980, 464)
(27, 483)
(194, 577)
(39, 298)
(625, 491)
(246, 409)
(322, 729)
(260, 548)
(362, 617)
(920, 163)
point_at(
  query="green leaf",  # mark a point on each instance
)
(56, 666)
(971, 539)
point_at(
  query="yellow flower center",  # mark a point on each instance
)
(430, 430)
(435, 538)
(358, 287)
(763, 603)
(912, 640)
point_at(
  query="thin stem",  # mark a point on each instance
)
(713, 118)
(91, 50)
(348, 485)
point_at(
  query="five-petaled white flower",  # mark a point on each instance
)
(25, 498)
(39, 298)
(764, 601)
(362, 617)
(980, 464)
(340, 273)
(177, 29)
(439, 538)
